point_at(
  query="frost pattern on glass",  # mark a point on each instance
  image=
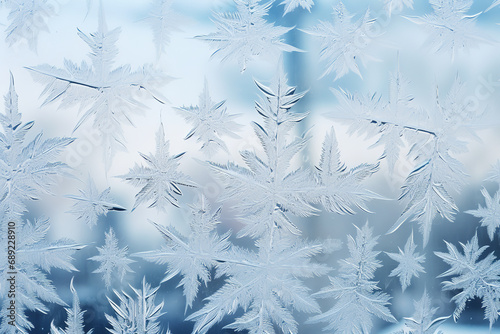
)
(113, 261)
(266, 284)
(163, 20)
(390, 120)
(292, 181)
(427, 188)
(195, 257)
(436, 134)
(477, 278)
(291, 5)
(210, 122)
(339, 189)
(109, 95)
(422, 321)
(91, 204)
(74, 322)
(344, 43)
(27, 18)
(410, 263)
(160, 178)
(267, 189)
(35, 258)
(137, 313)
(450, 28)
(245, 34)
(356, 293)
(28, 169)
(490, 214)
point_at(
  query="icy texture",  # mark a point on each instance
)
(109, 95)
(477, 278)
(74, 322)
(113, 261)
(266, 284)
(450, 28)
(357, 297)
(490, 214)
(35, 258)
(291, 5)
(27, 168)
(344, 43)
(91, 204)
(393, 117)
(210, 121)
(427, 188)
(27, 18)
(296, 177)
(243, 35)
(163, 20)
(337, 188)
(410, 263)
(397, 5)
(195, 257)
(160, 178)
(422, 321)
(270, 188)
(136, 314)
(435, 135)
(267, 190)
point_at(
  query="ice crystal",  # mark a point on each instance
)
(267, 190)
(490, 214)
(194, 257)
(91, 204)
(210, 121)
(267, 285)
(245, 34)
(451, 28)
(344, 43)
(422, 321)
(355, 292)
(27, 169)
(27, 18)
(392, 117)
(113, 260)
(291, 5)
(35, 257)
(106, 93)
(160, 178)
(136, 314)
(163, 20)
(476, 278)
(338, 189)
(410, 263)
(74, 322)
(427, 188)
(435, 136)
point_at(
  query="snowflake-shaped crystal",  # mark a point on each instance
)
(344, 43)
(160, 178)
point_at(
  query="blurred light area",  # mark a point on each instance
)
(451, 329)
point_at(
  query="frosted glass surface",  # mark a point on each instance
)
(249, 166)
